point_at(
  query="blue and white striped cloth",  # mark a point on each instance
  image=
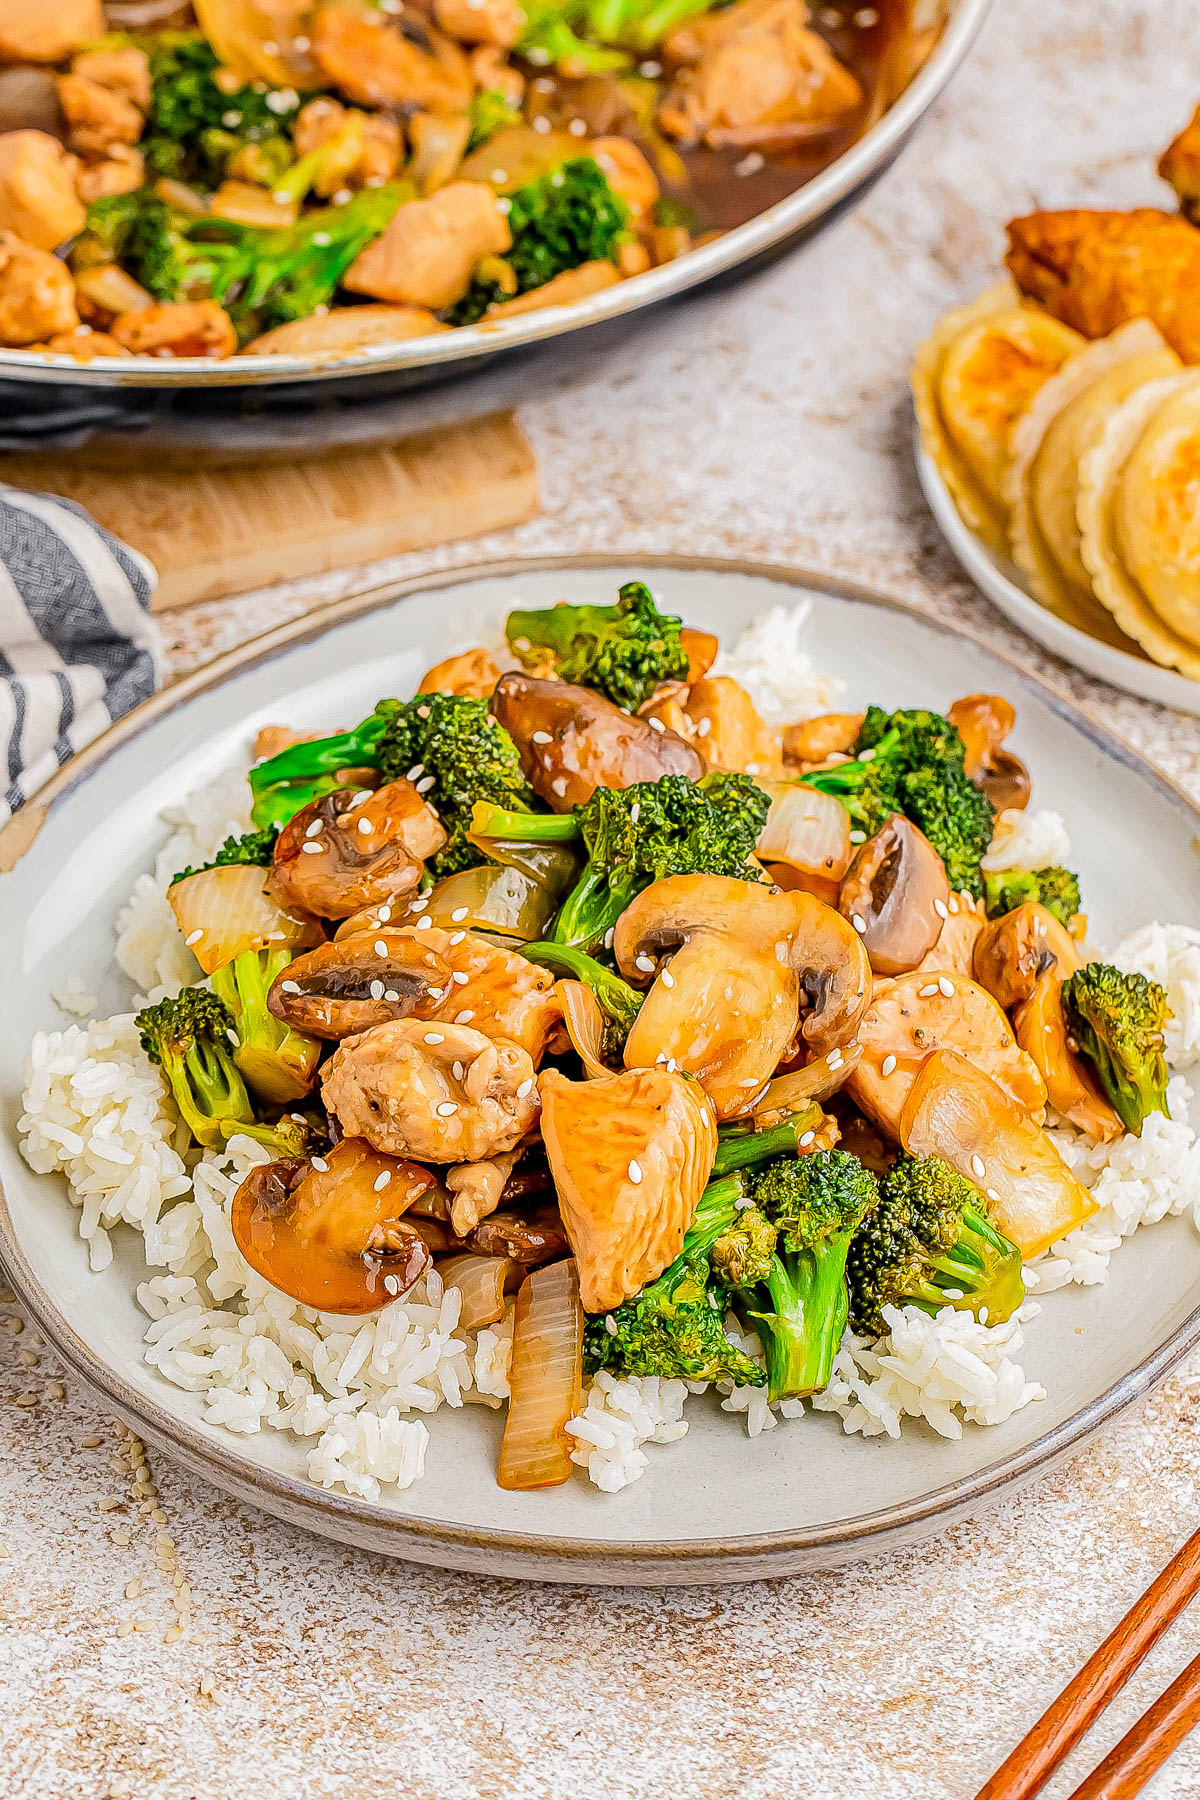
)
(77, 645)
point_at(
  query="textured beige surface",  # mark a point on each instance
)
(769, 422)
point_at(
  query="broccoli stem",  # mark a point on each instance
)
(274, 806)
(490, 821)
(354, 749)
(845, 778)
(617, 1000)
(593, 907)
(740, 1147)
(809, 1309)
(662, 19)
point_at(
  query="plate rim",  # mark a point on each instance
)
(399, 1534)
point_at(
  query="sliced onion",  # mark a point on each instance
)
(955, 1111)
(555, 866)
(497, 898)
(112, 289)
(815, 1081)
(439, 142)
(585, 1023)
(223, 911)
(806, 830)
(485, 1283)
(546, 1379)
(261, 40)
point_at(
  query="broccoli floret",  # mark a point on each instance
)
(744, 1147)
(279, 1064)
(569, 216)
(800, 1306)
(1118, 1022)
(930, 1243)
(254, 847)
(1056, 889)
(675, 1327)
(912, 763)
(624, 650)
(471, 759)
(490, 111)
(742, 1255)
(588, 37)
(194, 128)
(619, 1003)
(194, 1041)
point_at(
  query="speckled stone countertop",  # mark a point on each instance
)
(769, 422)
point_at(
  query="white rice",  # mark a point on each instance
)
(1028, 840)
(619, 1416)
(772, 664)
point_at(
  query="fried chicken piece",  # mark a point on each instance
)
(122, 171)
(757, 75)
(1098, 270)
(46, 31)
(429, 251)
(472, 672)
(37, 295)
(494, 990)
(379, 64)
(372, 148)
(99, 116)
(37, 189)
(1180, 165)
(186, 328)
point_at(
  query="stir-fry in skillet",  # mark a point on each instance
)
(581, 983)
(315, 176)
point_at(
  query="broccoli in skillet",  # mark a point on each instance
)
(564, 218)
(195, 130)
(1056, 889)
(640, 834)
(912, 762)
(624, 650)
(449, 740)
(1117, 1021)
(279, 1063)
(193, 1041)
(930, 1243)
(589, 37)
(254, 847)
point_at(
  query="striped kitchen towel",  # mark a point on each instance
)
(77, 645)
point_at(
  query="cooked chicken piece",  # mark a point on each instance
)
(342, 989)
(1180, 165)
(492, 989)
(124, 71)
(379, 63)
(810, 744)
(954, 952)
(190, 328)
(349, 328)
(630, 175)
(37, 189)
(498, 22)
(83, 344)
(99, 116)
(630, 1155)
(372, 149)
(438, 1093)
(429, 251)
(355, 848)
(272, 740)
(914, 1015)
(730, 734)
(37, 295)
(472, 673)
(572, 740)
(122, 171)
(475, 1190)
(759, 75)
(560, 290)
(47, 31)
(1097, 270)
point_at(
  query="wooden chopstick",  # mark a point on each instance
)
(1031, 1764)
(1146, 1746)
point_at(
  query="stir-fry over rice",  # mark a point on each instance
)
(356, 1387)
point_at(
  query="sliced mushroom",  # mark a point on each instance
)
(814, 741)
(896, 895)
(730, 731)
(1041, 1028)
(572, 741)
(745, 960)
(330, 1233)
(475, 1190)
(915, 1014)
(1013, 951)
(354, 848)
(630, 1155)
(528, 1238)
(983, 721)
(439, 1093)
(346, 987)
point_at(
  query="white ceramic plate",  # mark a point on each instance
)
(716, 1506)
(1003, 583)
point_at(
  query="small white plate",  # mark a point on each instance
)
(1003, 583)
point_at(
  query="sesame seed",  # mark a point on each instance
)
(940, 908)
(834, 1060)
(931, 987)
(609, 935)
(635, 1171)
(858, 837)
(867, 756)
(312, 849)
(425, 783)
(977, 1167)
(318, 1162)
(635, 812)
(446, 1108)
(414, 906)
(460, 913)
(193, 937)
(417, 770)
(459, 978)
(542, 737)
(946, 985)
(807, 1138)
(383, 915)
(377, 990)
(525, 1087)
(391, 994)
(610, 1325)
(667, 979)
(456, 1069)
(644, 963)
(391, 1284)
(656, 724)
(424, 924)
(887, 1065)
(559, 785)
(435, 1037)
(382, 1180)
(704, 727)
(290, 987)
(992, 1194)
(858, 922)
(953, 904)
(312, 828)
(456, 937)
(365, 827)
(464, 1017)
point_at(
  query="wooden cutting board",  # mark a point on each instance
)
(218, 532)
